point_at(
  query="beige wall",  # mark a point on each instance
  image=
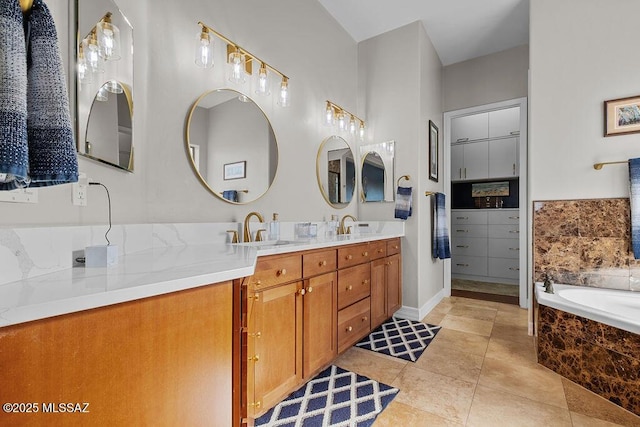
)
(491, 78)
(582, 53)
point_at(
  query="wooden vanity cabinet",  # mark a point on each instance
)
(386, 284)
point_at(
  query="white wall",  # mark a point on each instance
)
(299, 38)
(399, 101)
(487, 79)
(583, 52)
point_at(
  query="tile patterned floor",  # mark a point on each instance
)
(481, 370)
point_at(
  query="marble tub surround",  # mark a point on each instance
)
(601, 358)
(585, 242)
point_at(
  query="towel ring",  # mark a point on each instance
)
(407, 177)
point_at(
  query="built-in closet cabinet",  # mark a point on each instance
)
(503, 158)
(504, 122)
(470, 161)
(386, 284)
(470, 128)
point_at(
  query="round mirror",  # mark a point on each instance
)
(231, 146)
(109, 128)
(373, 178)
(336, 171)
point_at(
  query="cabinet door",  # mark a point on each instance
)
(319, 337)
(505, 122)
(476, 160)
(470, 128)
(378, 292)
(394, 284)
(503, 158)
(457, 162)
(275, 355)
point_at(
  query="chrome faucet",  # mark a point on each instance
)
(247, 231)
(341, 229)
(548, 284)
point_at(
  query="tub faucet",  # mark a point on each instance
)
(548, 284)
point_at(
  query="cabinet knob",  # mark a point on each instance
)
(380, 250)
(388, 263)
(349, 257)
(258, 283)
(256, 335)
(256, 405)
(302, 291)
(365, 253)
(396, 247)
(365, 318)
(349, 288)
(365, 281)
(322, 263)
(254, 358)
(256, 297)
(281, 272)
(310, 289)
(349, 328)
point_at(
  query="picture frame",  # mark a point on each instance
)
(622, 116)
(237, 170)
(433, 151)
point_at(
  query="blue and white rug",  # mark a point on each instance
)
(401, 338)
(335, 397)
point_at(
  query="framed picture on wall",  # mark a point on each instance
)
(622, 116)
(235, 170)
(433, 151)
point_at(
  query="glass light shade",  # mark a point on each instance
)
(328, 115)
(113, 86)
(236, 67)
(204, 49)
(92, 54)
(263, 81)
(84, 73)
(342, 121)
(284, 93)
(108, 40)
(352, 126)
(102, 95)
(361, 133)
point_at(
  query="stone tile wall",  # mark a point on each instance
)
(585, 242)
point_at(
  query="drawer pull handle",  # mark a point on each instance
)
(462, 246)
(514, 132)
(302, 291)
(514, 217)
(462, 265)
(462, 139)
(462, 217)
(462, 231)
(310, 289)
(365, 318)
(349, 328)
(348, 257)
(514, 269)
(254, 358)
(349, 288)
(365, 253)
(514, 231)
(281, 272)
(322, 263)
(514, 249)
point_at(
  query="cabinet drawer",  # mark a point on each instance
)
(474, 265)
(471, 230)
(468, 217)
(353, 255)
(275, 270)
(354, 283)
(377, 249)
(504, 248)
(497, 231)
(469, 246)
(316, 263)
(393, 246)
(504, 267)
(353, 324)
(504, 217)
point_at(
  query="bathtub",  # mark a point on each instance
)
(620, 309)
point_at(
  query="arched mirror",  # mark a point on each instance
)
(377, 172)
(104, 84)
(336, 171)
(110, 119)
(231, 146)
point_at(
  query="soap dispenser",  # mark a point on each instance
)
(274, 228)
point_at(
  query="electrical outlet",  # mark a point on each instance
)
(79, 190)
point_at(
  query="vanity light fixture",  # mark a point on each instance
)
(100, 45)
(108, 38)
(92, 53)
(345, 120)
(240, 64)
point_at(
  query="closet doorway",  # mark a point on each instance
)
(485, 154)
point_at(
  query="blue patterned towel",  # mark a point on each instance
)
(403, 202)
(440, 235)
(634, 199)
(38, 151)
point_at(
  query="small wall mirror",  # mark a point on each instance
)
(231, 146)
(104, 84)
(336, 171)
(377, 173)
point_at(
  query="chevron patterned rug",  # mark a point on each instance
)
(405, 339)
(336, 398)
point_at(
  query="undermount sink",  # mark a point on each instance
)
(267, 243)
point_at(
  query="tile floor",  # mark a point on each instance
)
(481, 370)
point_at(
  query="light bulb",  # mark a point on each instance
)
(352, 126)
(204, 49)
(361, 131)
(108, 36)
(342, 122)
(328, 118)
(284, 92)
(263, 80)
(113, 86)
(236, 64)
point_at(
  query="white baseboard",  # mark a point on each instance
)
(416, 314)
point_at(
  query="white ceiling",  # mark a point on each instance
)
(459, 29)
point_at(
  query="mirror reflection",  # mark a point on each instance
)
(110, 120)
(231, 146)
(377, 173)
(104, 84)
(336, 172)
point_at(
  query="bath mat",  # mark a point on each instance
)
(334, 397)
(401, 338)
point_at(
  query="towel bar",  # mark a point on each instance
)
(598, 166)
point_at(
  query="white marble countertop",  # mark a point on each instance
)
(145, 274)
